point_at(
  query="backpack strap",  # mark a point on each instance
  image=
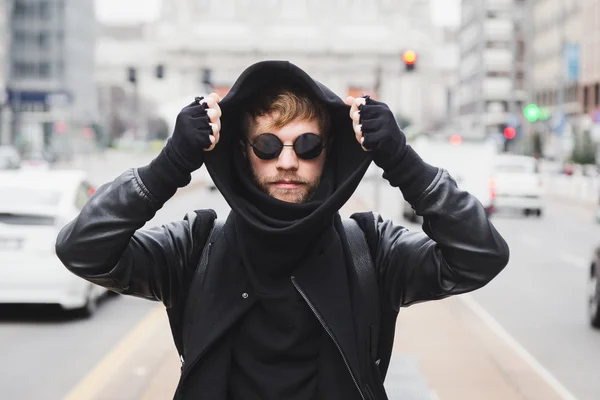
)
(365, 271)
(198, 279)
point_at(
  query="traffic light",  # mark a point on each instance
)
(160, 71)
(510, 132)
(531, 112)
(132, 75)
(409, 57)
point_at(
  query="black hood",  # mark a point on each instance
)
(345, 166)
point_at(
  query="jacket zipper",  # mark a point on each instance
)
(322, 321)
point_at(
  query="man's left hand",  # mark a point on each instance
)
(376, 130)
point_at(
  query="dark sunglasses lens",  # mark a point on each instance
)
(267, 146)
(308, 146)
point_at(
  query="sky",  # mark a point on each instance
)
(444, 12)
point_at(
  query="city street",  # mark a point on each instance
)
(539, 300)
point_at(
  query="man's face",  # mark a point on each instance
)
(287, 177)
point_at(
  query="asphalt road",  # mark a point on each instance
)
(540, 299)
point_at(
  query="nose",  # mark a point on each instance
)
(287, 160)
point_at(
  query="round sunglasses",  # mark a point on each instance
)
(267, 146)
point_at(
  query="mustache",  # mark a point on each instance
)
(285, 177)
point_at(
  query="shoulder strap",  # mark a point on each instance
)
(365, 271)
(198, 278)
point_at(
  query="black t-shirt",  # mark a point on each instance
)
(276, 351)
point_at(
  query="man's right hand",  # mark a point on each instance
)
(197, 129)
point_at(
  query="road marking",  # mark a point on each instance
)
(531, 241)
(576, 261)
(94, 382)
(495, 326)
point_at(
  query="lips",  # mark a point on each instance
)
(287, 184)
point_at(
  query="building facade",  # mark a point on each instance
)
(5, 12)
(51, 88)
(590, 57)
(352, 48)
(556, 33)
(491, 88)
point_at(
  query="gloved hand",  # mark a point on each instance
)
(196, 129)
(376, 130)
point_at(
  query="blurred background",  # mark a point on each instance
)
(504, 94)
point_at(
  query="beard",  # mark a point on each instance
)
(300, 194)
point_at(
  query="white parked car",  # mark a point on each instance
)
(34, 206)
(518, 184)
(9, 158)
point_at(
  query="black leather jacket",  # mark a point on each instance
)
(460, 251)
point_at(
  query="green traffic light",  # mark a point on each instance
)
(531, 112)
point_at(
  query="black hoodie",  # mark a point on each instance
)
(278, 344)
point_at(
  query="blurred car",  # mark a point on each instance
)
(518, 184)
(35, 160)
(594, 289)
(469, 162)
(34, 206)
(9, 158)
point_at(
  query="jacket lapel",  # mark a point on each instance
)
(226, 297)
(324, 281)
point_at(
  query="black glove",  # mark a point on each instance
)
(402, 166)
(381, 133)
(183, 153)
(190, 137)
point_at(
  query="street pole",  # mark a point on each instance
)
(513, 76)
(136, 110)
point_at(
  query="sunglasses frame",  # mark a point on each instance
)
(322, 147)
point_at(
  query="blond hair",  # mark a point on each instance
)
(287, 105)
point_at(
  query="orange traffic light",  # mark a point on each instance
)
(409, 57)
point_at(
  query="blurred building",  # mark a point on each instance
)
(590, 56)
(4, 52)
(554, 42)
(353, 48)
(51, 88)
(491, 84)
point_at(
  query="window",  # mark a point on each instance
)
(24, 69)
(597, 95)
(45, 12)
(44, 69)
(44, 40)
(28, 197)
(586, 93)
